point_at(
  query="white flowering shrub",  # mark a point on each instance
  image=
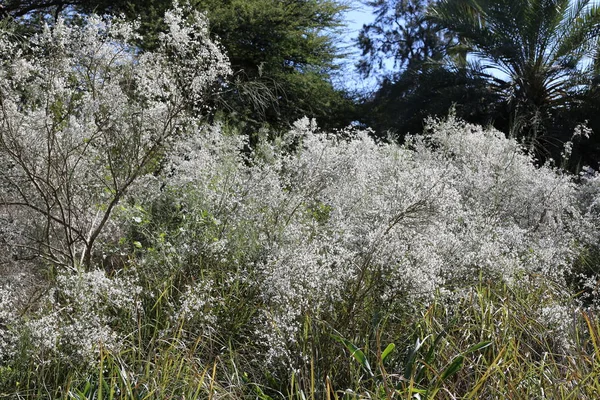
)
(264, 251)
(72, 321)
(514, 215)
(19, 291)
(83, 114)
(8, 319)
(585, 274)
(80, 315)
(337, 226)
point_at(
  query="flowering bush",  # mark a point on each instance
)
(337, 224)
(83, 115)
(79, 317)
(268, 250)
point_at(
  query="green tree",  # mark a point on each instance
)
(402, 104)
(532, 53)
(283, 54)
(424, 81)
(402, 33)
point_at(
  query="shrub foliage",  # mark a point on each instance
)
(148, 253)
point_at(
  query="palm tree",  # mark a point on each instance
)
(534, 52)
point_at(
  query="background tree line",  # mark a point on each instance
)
(530, 69)
(282, 53)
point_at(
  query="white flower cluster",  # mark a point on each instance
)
(560, 322)
(8, 318)
(84, 113)
(196, 308)
(81, 314)
(314, 226)
(19, 291)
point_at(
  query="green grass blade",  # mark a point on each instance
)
(478, 346)
(388, 350)
(453, 368)
(356, 353)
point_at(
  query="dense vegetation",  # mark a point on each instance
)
(156, 244)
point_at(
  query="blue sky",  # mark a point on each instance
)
(348, 77)
(358, 16)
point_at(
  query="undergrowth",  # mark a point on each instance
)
(488, 342)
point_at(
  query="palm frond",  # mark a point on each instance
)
(579, 34)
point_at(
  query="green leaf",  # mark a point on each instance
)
(356, 353)
(418, 391)
(410, 360)
(478, 346)
(453, 368)
(390, 347)
(431, 352)
(259, 393)
(430, 356)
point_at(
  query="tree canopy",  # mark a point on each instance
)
(532, 52)
(402, 33)
(426, 79)
(530, 68)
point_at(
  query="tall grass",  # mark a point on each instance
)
(489, 342)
